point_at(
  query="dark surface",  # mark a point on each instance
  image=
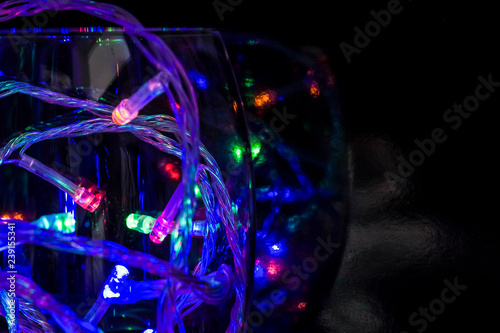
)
(439, 223)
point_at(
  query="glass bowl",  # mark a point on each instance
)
(132, 177)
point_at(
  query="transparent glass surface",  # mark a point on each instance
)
(298, 150)
(104, 65)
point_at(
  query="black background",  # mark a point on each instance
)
(397, 88)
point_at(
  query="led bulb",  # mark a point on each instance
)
(161, 229)
(165, 222)
(79, 194)
(121, 273)
(129, 108)
(141, 223)
(91, 187)
(144, 224)
(86, 200)
(111, 290)
(115, 282)
(121, 115)
(62, 222)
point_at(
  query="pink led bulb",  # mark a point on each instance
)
(163, 228)
(164, 224)
(80, 195)
(86, 200)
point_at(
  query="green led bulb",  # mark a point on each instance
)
(141, 223)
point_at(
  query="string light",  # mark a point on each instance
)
(178, 293)
(92, 126)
